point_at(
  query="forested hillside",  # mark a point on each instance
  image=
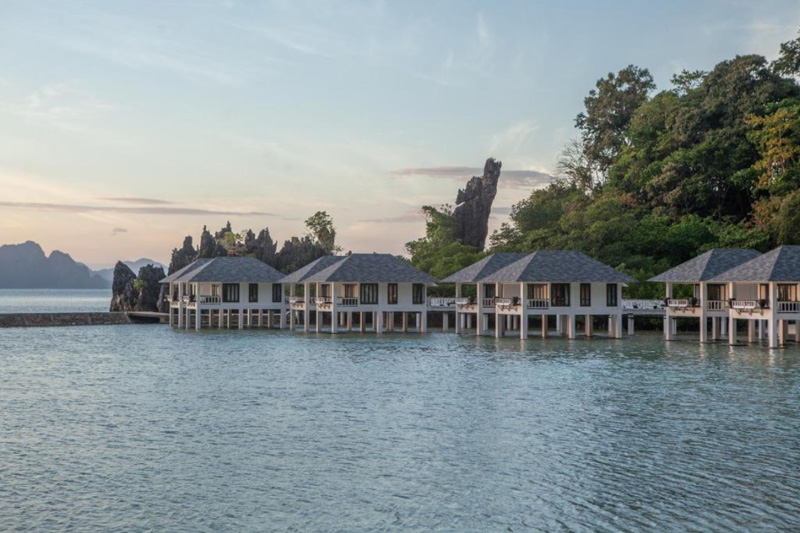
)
(657, 177)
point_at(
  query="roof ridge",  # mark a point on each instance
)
(780, 251)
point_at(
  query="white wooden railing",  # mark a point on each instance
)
(347, 301)
(462, 301)
(323, 300)
(296, 299)
(789, 307)
(442, 302)
(504, 303)
(680, 303)
(649, 305)
(716, 305)
(488, 302)
(207, 299)
(538, 303)
(744, 305)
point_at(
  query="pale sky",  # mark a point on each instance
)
(127, 125)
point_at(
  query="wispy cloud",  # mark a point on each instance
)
(117, 231)
(414, 215)
(76, 208)
(514, 178)
(65, 105)
(513, 138)
(139, 201)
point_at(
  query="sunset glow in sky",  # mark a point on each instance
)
(127, 125)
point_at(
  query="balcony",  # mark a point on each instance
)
(745, 305)
(298, 303)
(788, 307)
(489, 302)
(716, 305)
(505, 304)
(347, 301)
(445, 303)
(645, 305)
(679, 303)
(322, 301)
(538, 303)
(210, 300)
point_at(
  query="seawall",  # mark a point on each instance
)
(39, 320)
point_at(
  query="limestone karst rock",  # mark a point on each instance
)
(474, 205)
(136, 293)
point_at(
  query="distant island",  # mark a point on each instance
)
(26, 266)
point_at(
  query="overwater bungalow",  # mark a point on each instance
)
(379, 292)
(708, 300)
(226, 292)
(564, 284)
(764, 292)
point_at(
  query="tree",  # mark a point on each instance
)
(321, 230)
(788, 62)
(609, 110)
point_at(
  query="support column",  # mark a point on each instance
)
(405, 322)
(703, 311)
(559, 325)
(523, 325)
(361, 322)
(724, 328)
(732, 331)
(797, 331)
(772, 332)
(469, 320)
(458, 316)
(445, 320)
(479, 324)
(241, 318)
(498, 325)
(618, 326)
(423, 321)
(198, 316)
(760, 329)
(587, 326)
(570, 326)
(667, 318)
(349, 321)
(379, 322)
(188, 319)
(751, 331)
(630, 325)
(782, 330)
(715, 328)
(544, 326)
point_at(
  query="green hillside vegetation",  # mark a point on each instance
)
(656, 178)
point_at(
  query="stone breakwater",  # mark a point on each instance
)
(38, 320)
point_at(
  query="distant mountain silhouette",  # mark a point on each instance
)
(25, 266)
(108, 273)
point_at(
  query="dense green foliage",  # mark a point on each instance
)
(296, 252)
(655, 178)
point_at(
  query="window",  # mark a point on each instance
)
(787, 293)
(418, 293)
(230, 292)
(763, 292)
(392, 293)
(489, 290)
(325, 290)
(611, 295)
(586, 294)
(277, 292)
(716, 292)
(350, 290)
(537, 291)
(560, 295)
(369, 293)
(252, 293)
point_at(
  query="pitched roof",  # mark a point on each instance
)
(359, 268)
(558, 266)
(780, 264)
(226, 270)
(488, 265)
(706, 266)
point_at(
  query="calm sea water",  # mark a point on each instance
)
(54, 300)
(143, 427)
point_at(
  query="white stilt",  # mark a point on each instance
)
(630, 325)
(404, 323)
(732, 331)
(587, 326)
(445, 320)
(523, 326)
(544, 326)
(751, 331)
(571, 326)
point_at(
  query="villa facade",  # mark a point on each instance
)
(512, 290)
(226, 292)
(375, 292)
(709, 300)
(764, 292)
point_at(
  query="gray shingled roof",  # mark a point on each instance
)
(780, 264)
(359, 268)
(557, 266)
(226, 270)
(488, 265)
(706, 266)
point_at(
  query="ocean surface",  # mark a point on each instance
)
(54, 300)
(132, 428)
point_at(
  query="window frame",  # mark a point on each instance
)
(612, 295)
(557, 300)
(231, 293)
(392, 293)
(585, 292)
(368, 293)
(418, 293)
(277, 293)
(252, 296)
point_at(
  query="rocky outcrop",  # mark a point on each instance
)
(474, 205)
(25, 266)
(130, 292)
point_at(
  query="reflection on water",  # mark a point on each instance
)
(140, 427)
